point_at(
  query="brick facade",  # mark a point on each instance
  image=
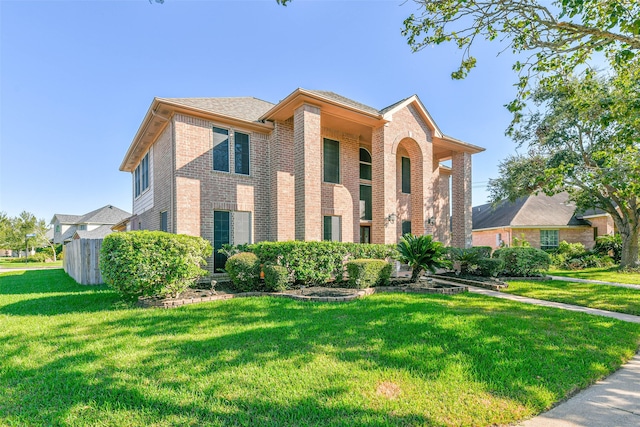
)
(285, 192)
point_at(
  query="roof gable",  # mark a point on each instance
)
(389, 111)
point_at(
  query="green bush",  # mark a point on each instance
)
(610, 246)
(490, 267)
(316, 262)
(244, 271)
(365, 273)
(523, 261)
(421, 253)
(152, 262)
(276, 278)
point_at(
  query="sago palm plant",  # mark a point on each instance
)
(421, 253)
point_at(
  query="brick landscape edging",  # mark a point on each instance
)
(157, 303)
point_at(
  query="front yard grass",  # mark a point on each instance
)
(78, 356)
(4, 263)
(604, 297)
(609, 274)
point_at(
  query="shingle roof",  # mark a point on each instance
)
(67, 219)
(104, 215)
(344, 100)
(244, 108)
(530, 211)
(98, 233)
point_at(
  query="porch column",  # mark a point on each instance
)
(383, 187)
(461, 200)
(307, 146)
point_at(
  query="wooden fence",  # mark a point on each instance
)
(81, 260)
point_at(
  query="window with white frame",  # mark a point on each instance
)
(220, 149)
(241, 152)
(548, 239)
(141, 176)
(331, 229)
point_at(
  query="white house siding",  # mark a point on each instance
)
(145, 201)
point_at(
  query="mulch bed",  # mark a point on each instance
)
(314, 293)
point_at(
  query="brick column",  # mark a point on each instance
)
(307, 147)
(461, 200)
(383, 187)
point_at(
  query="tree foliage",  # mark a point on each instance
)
(422, 253)
(557, 36)
(14, 231)
(585, 140)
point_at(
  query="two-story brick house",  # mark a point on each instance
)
(313, 166)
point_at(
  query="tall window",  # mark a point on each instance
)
(332, 228)
(241, 151)
(220, 149)
(164, 221)
(548, 239)
(406, 227)
(221, 236)
(365, 202)
(365, 164)
(331, 161)
(406, 175)
(141, 176)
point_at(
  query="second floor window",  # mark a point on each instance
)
(406, 175)
(241, 151)
(220, 149)
(164, 221)
(141, 176)
(331, 161)
(365, 164)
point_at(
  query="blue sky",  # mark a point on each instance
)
(77, 77)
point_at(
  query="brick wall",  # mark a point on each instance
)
(461, 200)
(282, 178)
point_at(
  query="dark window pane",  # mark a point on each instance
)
(327, 228)
(220, 237)
(242, 153)
(365, 156)
(164, 221)
(406, 175)
(220, 149)
(331, 161)
(365, 171)
(406, 227)
(365, 202)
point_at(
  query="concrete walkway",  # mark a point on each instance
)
(598, 282)
(611, 402)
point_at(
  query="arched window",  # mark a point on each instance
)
(365, 164)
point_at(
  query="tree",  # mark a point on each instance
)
(585, 140)
(558, 36)
(14, 231)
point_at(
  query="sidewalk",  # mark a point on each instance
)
(598, 282)
(611, 402)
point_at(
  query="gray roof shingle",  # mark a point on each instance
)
(344, 100)
(105, 215)
(245, 108)
(530, 211)
(98, 233)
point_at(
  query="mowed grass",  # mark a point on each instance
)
(79, 356)
(4, 263)
(604, 297)
(610, 274)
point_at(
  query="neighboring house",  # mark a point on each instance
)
(314, 166)
(98, 222)
(542, 220)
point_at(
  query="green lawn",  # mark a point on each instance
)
(610, 274)
(605, 297)
(5, 264)
(78, 356)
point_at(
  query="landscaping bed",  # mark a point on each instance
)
(306, 293)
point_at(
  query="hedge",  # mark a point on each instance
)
(523, 261)
(317, 262)
(244, 271)
(276, 278)
(365, 273)
(152, 262)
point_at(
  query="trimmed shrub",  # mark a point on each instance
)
(244, 271)
(489, 267)
(523, 261)
(365, 273)
(315, 263)
(152, 262)
(276, 278)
